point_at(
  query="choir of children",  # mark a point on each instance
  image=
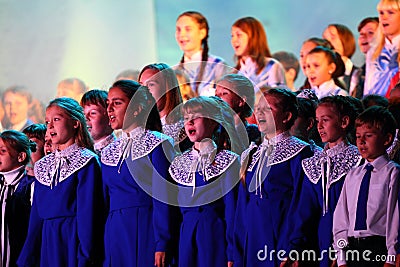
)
(74, 193)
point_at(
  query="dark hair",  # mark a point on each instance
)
(319, 42)
(203, 24)
(367, 20)
(74, 111)
(335, 58)
(18, 142)
(374, 100)
(36, 130)
(378, 117)
(288, 60)
(343, 107)
(287, 102)
(257, 46)
(149, 116)
(95, 97)
(357, 103)
(307, 110)
(394, 108)
(346, 38)
(242, 87)
(172, 96)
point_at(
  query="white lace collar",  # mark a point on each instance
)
(98, 146)
(207, 161)
(284, 147)
(137, 143)
(339, 159)
(59, 165)
(175, 130)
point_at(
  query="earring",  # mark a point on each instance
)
(330, 72)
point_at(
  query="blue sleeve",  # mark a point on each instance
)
(297, 182)
(30, 254)
(239, 228)
(90, 213)
(161, 159)
(230, 201)
(306, 218)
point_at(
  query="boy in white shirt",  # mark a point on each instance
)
(366, 218)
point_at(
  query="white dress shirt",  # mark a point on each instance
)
(382, 208)
(328, 88)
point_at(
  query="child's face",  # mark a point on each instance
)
(39, 153)
(61, 127)
(330, 127)
(270, 118)
(16, 107)
(152, 79)
(189, 35)
(8, 159)
(117, 103)
(366, 36)
(318, 69)
(97, 121)
(371, 142)
(389, 19)
(331, 34)
(222, 91)
(198, 127)
(305, 49)
(239, 41)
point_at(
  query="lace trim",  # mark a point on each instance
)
(176, 131)
(105, 142)
(180, 169)
(285, 148)
(60, 165)
(136, 146)
(342, 158)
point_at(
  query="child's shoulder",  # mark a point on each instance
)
(288, 148)
(137, 147)
(213, 166)
(66, 162)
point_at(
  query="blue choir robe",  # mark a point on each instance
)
(16, 217)
(268, 199)
(135, 172)
(325, 173)
(67, 216)
(207, 197)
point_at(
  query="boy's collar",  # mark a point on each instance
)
(379, 162)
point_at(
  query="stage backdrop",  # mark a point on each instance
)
(44, 41)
